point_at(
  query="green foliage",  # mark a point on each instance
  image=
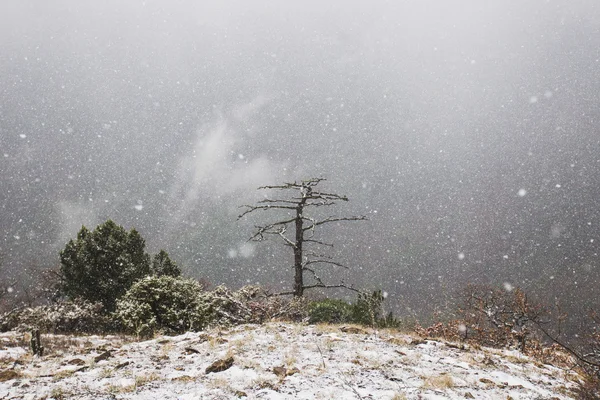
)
(171, 305)
(332, 311)
(367, 310)
(162, 265)
(100, 266)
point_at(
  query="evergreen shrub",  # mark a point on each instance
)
(331, 311)
(163, 303)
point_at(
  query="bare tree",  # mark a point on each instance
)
(305, 195)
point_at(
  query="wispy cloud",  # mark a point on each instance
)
(216, 166)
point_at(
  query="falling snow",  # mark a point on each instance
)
(466, 134)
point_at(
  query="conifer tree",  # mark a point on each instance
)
(100, 266)
(162, 265)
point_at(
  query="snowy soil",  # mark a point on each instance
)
(272, 361)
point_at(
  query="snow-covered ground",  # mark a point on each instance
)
(273, 361)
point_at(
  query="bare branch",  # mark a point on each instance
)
(264, 208)
(285, 239)
(269, 229)
(314, 275)
(338, 286)
(332, 219)
(290, 185)
(581, 357)
(337, 264)
(276, 201)
(318, 242)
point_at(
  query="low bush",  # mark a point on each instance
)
(251, 304)
(498, 317)
(367, 310)
(331, 311)
(172, 305)
(77, 316)
(163, 303)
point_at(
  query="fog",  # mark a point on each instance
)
(466, 131)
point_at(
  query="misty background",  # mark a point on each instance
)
(466, 131)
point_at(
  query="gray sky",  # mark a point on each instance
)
(467, 132)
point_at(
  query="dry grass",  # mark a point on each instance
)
(62, 374)
(142, 380)
(9, 374)
(139, 381)
(438, 382)
(59, 393)
(106, 373)
(166, 349)
(184, 378)
(249, 363)
(241, 344)
(266, 383)
(289, 358)
(399, 341)
(216, 382)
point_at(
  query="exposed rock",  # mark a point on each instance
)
(123, 365)
(280, 371)
(220, 365)
(191, 350)
(103, 356)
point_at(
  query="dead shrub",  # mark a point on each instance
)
(76, 316)
(499, 318)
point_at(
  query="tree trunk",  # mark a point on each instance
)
(298, 267)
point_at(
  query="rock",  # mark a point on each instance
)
(468, 395)
(220, 365)
(191, 350)
(103, 356)
(281, 372)
(123, 365)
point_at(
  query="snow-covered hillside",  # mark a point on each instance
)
(272, 361)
